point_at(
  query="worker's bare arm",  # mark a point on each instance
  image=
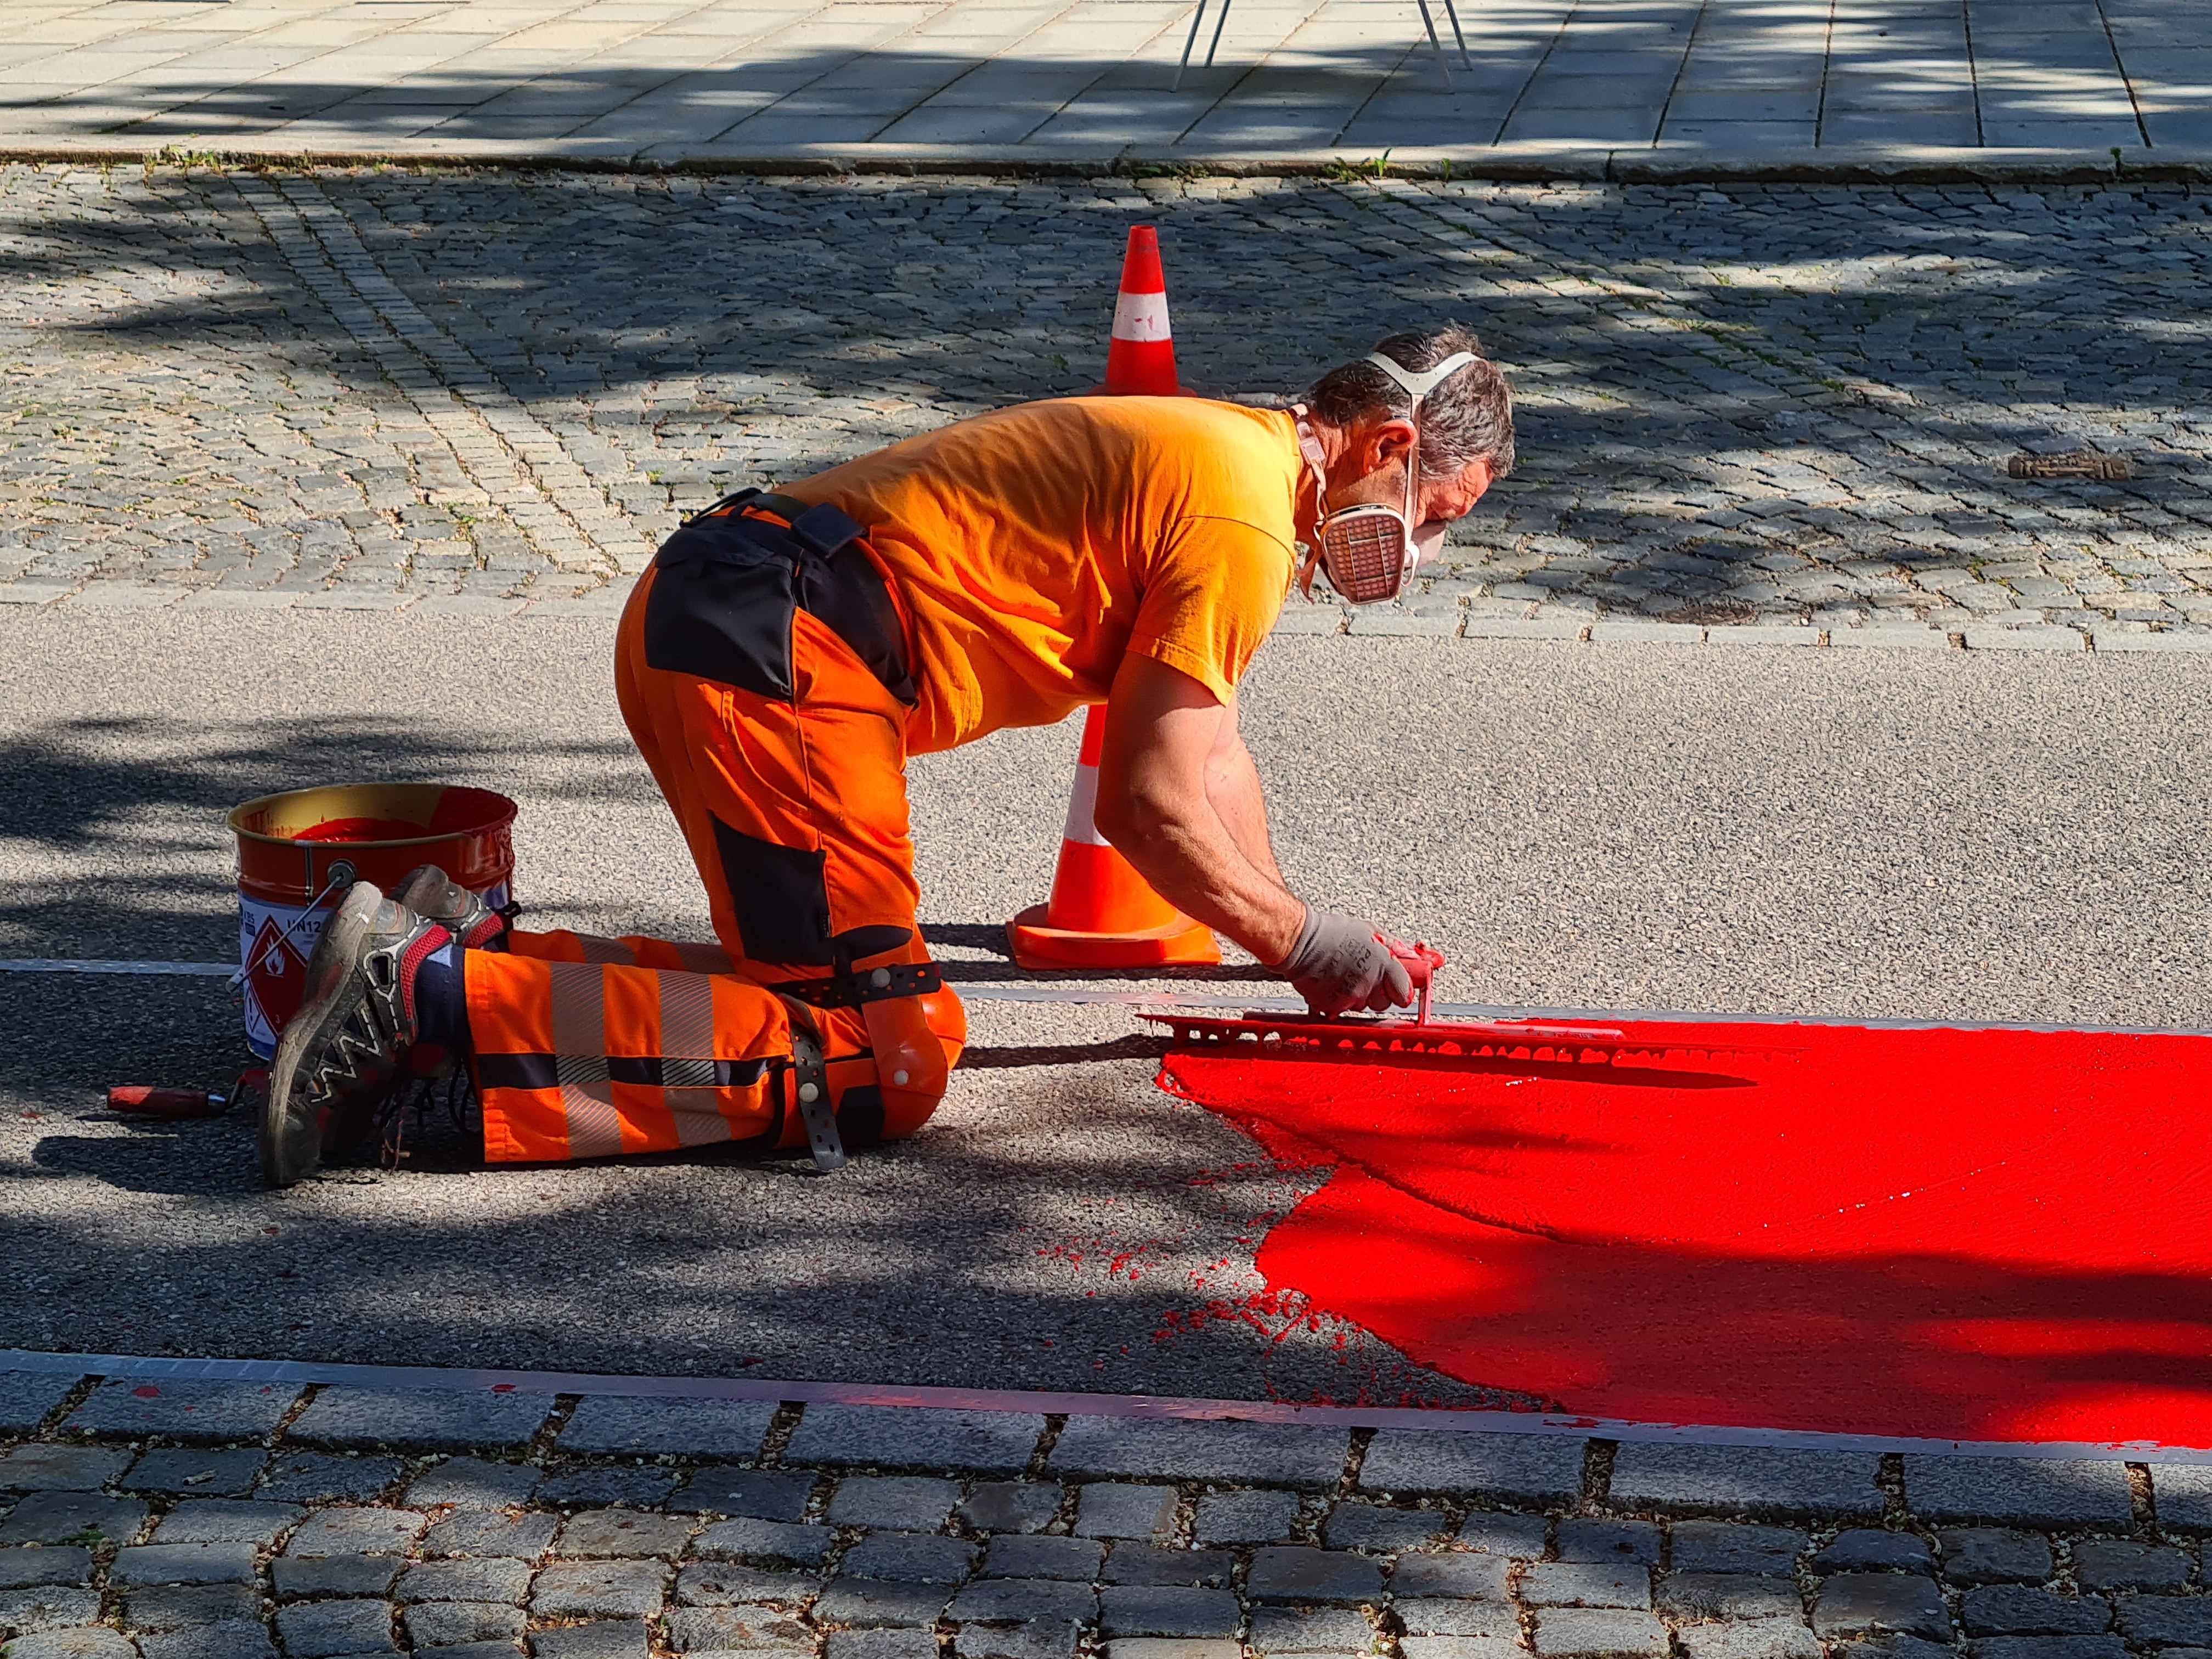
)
(1232, 784)
(1170, 743)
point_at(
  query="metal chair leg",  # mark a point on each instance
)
(1430, 21)
(1220, 22)
(1452, 12)
(1196, 18)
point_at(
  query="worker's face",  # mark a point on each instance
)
(1373, 469)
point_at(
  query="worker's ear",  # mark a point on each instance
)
(1386, 445)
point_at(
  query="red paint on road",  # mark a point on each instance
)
(1959, 1235)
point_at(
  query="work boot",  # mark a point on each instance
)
(342, 1051)
(429, 892)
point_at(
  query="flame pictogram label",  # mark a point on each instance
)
(277, 965)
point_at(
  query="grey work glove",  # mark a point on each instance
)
(1340, 962)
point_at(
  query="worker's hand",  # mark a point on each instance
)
(1341, 963)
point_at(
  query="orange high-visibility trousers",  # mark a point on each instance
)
(781, 749)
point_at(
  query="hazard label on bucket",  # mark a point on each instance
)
(276, 961)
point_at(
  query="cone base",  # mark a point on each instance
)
(1176, 391)
(1180, 941)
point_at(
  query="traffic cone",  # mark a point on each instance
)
(1101, 913)
(1140, 358)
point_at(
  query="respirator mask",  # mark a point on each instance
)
(1368, 551)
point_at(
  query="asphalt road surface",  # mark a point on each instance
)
(1953, 836)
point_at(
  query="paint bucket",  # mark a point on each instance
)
(298, 852)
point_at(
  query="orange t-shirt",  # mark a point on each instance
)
(1036, 546)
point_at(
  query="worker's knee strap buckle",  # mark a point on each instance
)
(913, 979)
(811, 1084)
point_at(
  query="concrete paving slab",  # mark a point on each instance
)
(1800, 104)
(606, 56)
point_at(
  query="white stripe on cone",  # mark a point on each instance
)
(1142, 317)
(1083, 809)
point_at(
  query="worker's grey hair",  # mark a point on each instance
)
(1469, 418)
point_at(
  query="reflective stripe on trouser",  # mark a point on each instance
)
(631, 950)
(575, 1058)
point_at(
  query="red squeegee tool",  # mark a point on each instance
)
(1370, 1036)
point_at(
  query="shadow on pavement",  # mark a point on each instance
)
(1314, 88)
(1039, 1235)
(988, 1059)
(761, 330)
(120, 822)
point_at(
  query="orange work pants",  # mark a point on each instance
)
(785, 764)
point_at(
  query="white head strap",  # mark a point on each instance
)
(1424, 382)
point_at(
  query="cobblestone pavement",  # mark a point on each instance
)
(707, 78)
(1774, 405)
(231, 1520)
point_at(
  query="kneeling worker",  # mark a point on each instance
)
(781, 658)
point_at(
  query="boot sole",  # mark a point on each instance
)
(288, 1156)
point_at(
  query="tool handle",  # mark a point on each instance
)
(149, 1100)
(1420, 961)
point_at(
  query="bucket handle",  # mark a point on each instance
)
(342, 875)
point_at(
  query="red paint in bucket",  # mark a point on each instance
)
(360, 829)
(1991, 1235)
(300, 851)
